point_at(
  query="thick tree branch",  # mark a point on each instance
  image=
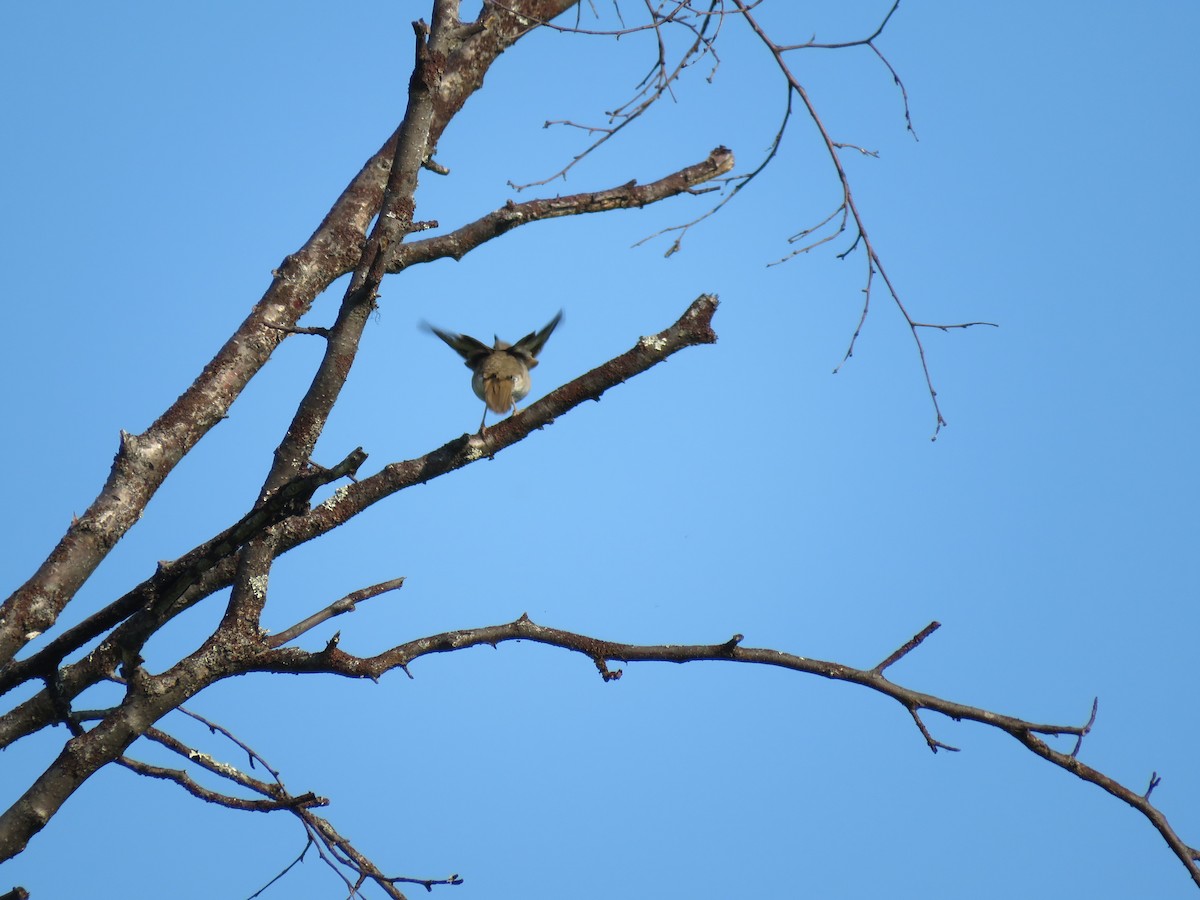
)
(147, 699)
(156, 594)
(144, 461)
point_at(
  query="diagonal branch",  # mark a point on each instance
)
(145, 460)
(459, 242)
(336, 851)
(694, 327)
(336, 608)
(174, 578)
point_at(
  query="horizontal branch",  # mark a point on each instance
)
(459, 242)
(333, 660)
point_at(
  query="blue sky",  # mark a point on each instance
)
(161, 160)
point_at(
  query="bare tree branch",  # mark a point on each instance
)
(908, 647)
(336, 661)
(458, 243)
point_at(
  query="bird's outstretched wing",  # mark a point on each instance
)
(533, 342)
(463, 344)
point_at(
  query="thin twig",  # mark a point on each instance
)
(912, 644)
(874, 261)
(338, 607)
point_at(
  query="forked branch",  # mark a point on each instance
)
(348, 864)
(848, 209)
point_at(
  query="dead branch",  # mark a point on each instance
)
(908, 647)
(600, 652)
(657, 83)
(627, 196)
(185, 781)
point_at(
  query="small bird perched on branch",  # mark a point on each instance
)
(501, 372)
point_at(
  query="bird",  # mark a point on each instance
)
(501, 372)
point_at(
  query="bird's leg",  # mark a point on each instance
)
(484, 419)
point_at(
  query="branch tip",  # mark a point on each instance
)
(606, 673)
(912, 644)
(1086, 728)
(930, 741)
(1154, 782)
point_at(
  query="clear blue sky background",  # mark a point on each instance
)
(159, 160)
